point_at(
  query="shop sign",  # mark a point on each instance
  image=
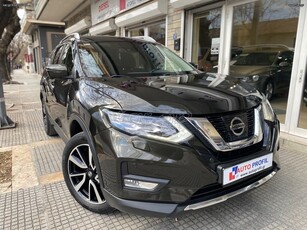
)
(104, 9)
(215, 46)
(128, 4)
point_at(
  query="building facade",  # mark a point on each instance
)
(214, 35)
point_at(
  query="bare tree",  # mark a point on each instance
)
(9, 27)
(20, 41)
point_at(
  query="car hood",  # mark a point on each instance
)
(185, 94)
(240, 71)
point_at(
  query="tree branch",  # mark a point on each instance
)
(11, 29)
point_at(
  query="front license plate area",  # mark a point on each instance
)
(247, 168)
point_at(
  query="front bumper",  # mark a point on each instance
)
(170, 209)
(191, 169)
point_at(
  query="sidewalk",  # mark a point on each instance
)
(37, 197)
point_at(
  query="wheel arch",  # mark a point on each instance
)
(77, 125)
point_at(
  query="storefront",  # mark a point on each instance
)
(129, 18)
(258, 42)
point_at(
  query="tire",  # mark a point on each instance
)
(49, 129)
(268, 89)
(81, 176)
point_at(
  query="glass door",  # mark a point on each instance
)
(297, 109)
(262, 48)
(206, 39)
(203, 36)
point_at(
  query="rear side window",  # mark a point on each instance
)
(57, 54)
(66, 57)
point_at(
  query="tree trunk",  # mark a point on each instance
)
(9, 27)
(4, 73)
(5, 121)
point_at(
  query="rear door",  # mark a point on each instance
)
(50, 83)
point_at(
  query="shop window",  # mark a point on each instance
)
(137, 32)
(154, 30)
(157, 32)
(263, 42)
(206, 39)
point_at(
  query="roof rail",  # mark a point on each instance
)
(73, 36)
(145, 38)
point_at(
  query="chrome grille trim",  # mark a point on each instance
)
(204, 126)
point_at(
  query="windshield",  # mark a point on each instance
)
(130, 58)
(258, 59)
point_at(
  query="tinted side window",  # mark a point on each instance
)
(57, 55)
(91, 60)
(66, 58)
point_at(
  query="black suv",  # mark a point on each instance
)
(147, 133)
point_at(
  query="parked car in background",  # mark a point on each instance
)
(265, 67)
(149, 134)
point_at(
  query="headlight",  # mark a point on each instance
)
(251, 79)
(255, 77)
(267, 110)
(158, 128)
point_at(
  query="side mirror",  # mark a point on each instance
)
(57, 71)
(284, 64)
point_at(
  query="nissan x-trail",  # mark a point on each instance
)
(149, 134)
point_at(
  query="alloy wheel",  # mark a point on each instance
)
(83, 175)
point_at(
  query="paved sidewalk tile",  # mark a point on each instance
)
(32, 106)
(35, 124)
(48, 158)
(279, 204)
(16, 136)
(23, 209)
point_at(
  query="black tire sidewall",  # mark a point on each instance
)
(76, 140)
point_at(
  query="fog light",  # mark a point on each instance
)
(137, 184)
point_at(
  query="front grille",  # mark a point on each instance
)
(222, 125)
(241, 152)
(215, 190)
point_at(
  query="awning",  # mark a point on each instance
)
(187, 3)
(27, 28)
(146, 12)
(79, 26)
(103, 27)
